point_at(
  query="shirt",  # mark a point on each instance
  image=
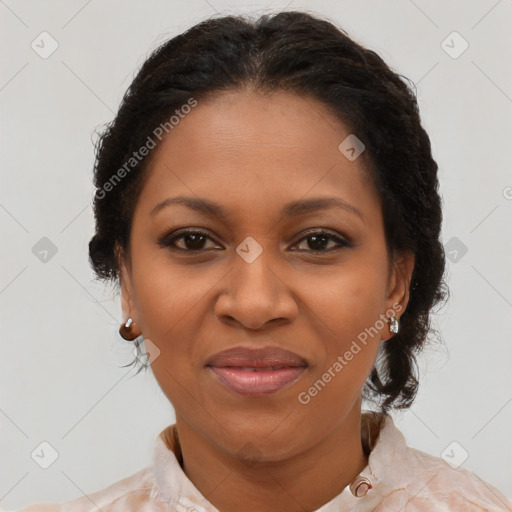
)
(397, 477)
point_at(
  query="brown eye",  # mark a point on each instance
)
(319, 240)
(194, 241)
(191, 241)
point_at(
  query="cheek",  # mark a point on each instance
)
(349, 302)
(172, 305)
(335, 382)
(346, 311)
(167, 293)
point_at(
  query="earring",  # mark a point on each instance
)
(393, 324)
(126, 330)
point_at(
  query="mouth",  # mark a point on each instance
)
(257, 381)
(256, 372)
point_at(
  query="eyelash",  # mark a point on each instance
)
(167, 242)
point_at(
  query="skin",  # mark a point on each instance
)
(252, 154)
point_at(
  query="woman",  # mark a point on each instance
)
(268, 202)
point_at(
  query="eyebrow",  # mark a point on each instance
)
(293, 209)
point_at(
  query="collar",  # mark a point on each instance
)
(382, 442)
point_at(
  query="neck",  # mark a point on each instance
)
(305, 481)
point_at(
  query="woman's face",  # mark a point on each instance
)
(261, 274)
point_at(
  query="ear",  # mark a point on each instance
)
(399, 281)
(126, 287)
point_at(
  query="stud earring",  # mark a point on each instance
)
(126, 331)
(393, 325)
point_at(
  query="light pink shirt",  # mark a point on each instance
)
(401, 479)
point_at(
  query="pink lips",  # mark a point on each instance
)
(256, 372)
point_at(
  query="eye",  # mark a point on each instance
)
(193, 240)
(318, 240)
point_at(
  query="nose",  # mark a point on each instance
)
(255, 294)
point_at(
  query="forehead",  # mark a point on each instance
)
(248, 123)
(247, 149)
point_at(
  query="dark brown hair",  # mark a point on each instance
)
(304, 54)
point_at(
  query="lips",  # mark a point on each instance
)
(267, 357)
(256, 372)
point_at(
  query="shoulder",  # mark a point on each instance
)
(453, 488)
(417, 481)
(131, 493)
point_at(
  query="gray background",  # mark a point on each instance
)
(60, 379)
